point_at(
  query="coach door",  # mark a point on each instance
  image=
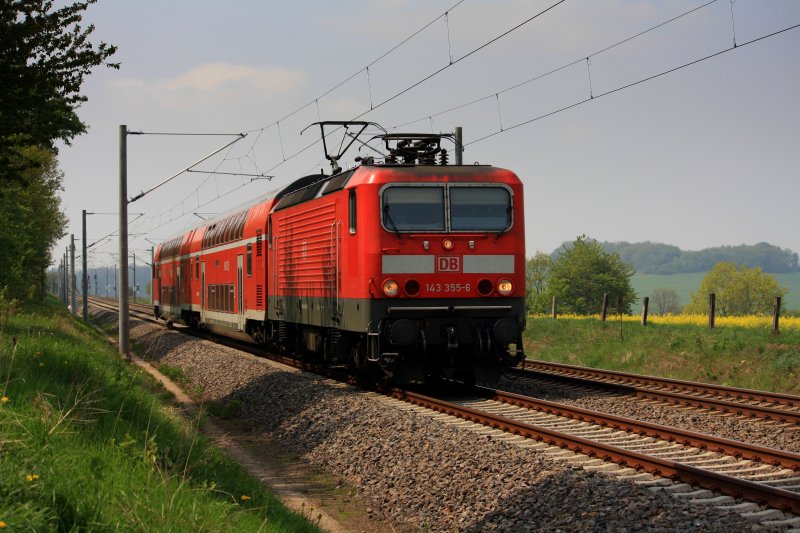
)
(240, 290)
(178, 290)
(203, 292)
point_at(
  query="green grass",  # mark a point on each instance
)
(686, 284)
(734, 356)
(85, 444)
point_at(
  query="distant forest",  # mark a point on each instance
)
(656, 258)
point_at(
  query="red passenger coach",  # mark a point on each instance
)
(408, 266)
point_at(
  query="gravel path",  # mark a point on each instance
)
(754, 431)
(414, 469)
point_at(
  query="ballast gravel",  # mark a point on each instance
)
(413, 469)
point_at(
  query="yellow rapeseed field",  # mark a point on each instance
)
(751, 321)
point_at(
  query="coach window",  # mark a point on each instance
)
(226, 226)
(413, 208)
(239, 226)
(226, 231)
(480, 209)
(249, 259)
(352, 211)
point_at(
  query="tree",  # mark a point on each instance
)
(537, 272)
(664, 301)
(739, 291)
(583, 272)
(44, 56)
(31, 220)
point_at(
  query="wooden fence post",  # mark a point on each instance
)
(604, 310)
(712, 308)
(554, 307)
(776, 314)
(645, 305)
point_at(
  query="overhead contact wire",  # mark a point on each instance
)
(558, 69)
(633, 84)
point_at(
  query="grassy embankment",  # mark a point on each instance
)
(87, 444)
(747, 355)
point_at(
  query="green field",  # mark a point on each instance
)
(748, 357)
(686, 284)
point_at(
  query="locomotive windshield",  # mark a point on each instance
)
(413, 208)
(470, 208)
(479, 208)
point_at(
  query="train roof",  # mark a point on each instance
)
(311, 186)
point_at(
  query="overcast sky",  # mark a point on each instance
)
(704, 156)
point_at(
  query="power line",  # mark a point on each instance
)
(374, 61)
(465, 56)
(555, 70)
(412, 86)
(633, 84)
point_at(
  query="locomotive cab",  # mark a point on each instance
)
(451, 294)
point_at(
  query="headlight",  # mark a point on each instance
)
(390, 287)
(504, 287)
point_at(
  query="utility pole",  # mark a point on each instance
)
(85, 276)
(459, 135)
(124, 317)
(73, 278)
(66, 276)
(61, 281)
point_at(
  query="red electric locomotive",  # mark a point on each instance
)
(409, 266)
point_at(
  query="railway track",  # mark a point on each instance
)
(783, 408)
(738, 470)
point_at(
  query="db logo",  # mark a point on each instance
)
(448, 264)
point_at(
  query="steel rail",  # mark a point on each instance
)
(738, 488)
(722, 390)
(712, 443)
(641, 386)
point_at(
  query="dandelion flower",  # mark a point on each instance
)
(2, 524)
(245, 497)
(32, 477)
(4, 399)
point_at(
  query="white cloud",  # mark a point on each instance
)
(212, 82)
(219, 76)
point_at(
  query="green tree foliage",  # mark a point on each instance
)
(583, 272)
(537, 273)
(739, 291)
(664, 301)
(31, 220)
(656, 258)
(44, 56)
(647, 257)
